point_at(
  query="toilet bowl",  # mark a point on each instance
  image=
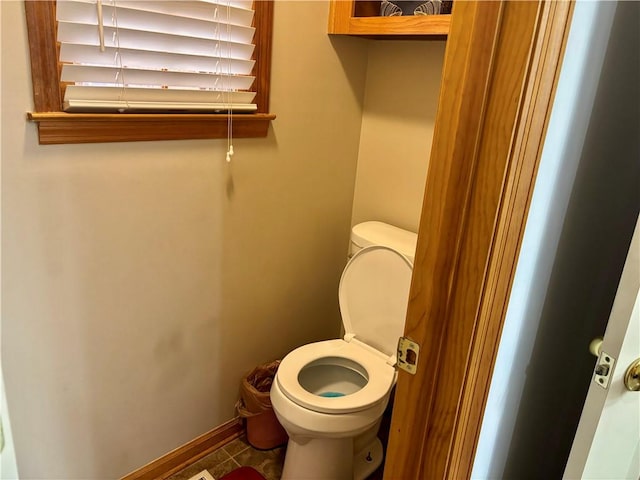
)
(330, 396)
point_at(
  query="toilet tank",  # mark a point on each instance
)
(378, 233)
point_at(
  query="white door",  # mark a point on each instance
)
(607, 442)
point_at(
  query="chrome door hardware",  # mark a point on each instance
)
(632, 376)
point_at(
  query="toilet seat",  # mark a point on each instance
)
(381, 376)
(373, 297)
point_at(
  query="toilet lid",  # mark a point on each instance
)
(373, 295)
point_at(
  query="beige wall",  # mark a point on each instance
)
(141, 280)
(403, 82)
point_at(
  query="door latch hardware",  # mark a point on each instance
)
(603, 370)
(408, 355)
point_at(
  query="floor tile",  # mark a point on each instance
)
(269, 463)
(237, 446)
(218, 457)
(222, 469)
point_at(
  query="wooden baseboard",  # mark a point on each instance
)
(188, 453)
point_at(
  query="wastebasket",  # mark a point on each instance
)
(263, 428)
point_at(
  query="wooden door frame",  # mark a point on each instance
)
(501, 68)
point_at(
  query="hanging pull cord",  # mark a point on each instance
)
(120, 76)
(100, 25)
(228, 90)
(222, 91)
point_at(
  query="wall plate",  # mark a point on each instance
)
(203, 475)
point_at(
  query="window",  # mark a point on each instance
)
(58, 126)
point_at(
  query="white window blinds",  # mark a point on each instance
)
(164, 55)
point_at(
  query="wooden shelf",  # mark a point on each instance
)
(349, 17)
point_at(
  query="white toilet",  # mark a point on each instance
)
(330, 396)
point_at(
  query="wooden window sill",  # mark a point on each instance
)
(61, 128)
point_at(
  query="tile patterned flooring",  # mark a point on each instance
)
(239, 453)
(235, 454)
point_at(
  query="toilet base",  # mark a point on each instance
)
(367, 460)
(323, 458)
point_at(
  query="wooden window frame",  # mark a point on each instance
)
(58, 127)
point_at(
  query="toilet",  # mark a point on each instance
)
(330, 396)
